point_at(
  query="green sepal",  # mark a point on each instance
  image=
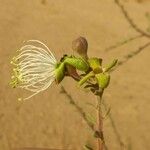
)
(78, 63)
(95, 62)
(103, 80)
(110, 65)
(60, 72)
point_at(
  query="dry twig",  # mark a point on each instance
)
(130, 21)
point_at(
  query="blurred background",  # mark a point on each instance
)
(48, 120)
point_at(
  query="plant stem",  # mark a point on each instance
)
(100, 136)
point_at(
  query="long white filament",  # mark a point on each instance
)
(35, 67)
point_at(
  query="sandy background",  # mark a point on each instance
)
(48, 120)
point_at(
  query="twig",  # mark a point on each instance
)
(132, 54)
(100, 123)
(79, 109)
(130, 21)
(123, 42)
(118, 136)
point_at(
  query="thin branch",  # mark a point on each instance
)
(132, 54)
(79, 109)
(119, 44)
(100, 140)
(118, 136)
(130, 21)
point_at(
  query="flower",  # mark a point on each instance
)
(35, 67)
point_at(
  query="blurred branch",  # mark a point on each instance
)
(100, 137)
(79, 109)
(130, 21)
(118, 136)
(132, 54)
(123, 42)
(84, 117)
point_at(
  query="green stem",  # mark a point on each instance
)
(86, 77)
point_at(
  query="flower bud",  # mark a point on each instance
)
(78, 63)
(80, 46)
(95, 62)
(103, 80)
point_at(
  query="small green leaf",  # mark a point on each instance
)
(107, 112)
(110, 65)
(91, 119)
(87, 147)
(103, 80)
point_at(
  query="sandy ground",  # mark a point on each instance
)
(48, 120)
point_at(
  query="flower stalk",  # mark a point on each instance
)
(100, 137)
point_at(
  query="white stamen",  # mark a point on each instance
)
(34, 67)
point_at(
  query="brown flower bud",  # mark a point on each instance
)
(71, 71)
(80, 46)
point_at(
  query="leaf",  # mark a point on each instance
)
(110, 65)
(95, 62)
(87, 147)
(91, 119)
(107, 112)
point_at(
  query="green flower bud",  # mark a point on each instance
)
(103, 80)
(60, 72)
(95, 64)
(78, 63)
(80, 45)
